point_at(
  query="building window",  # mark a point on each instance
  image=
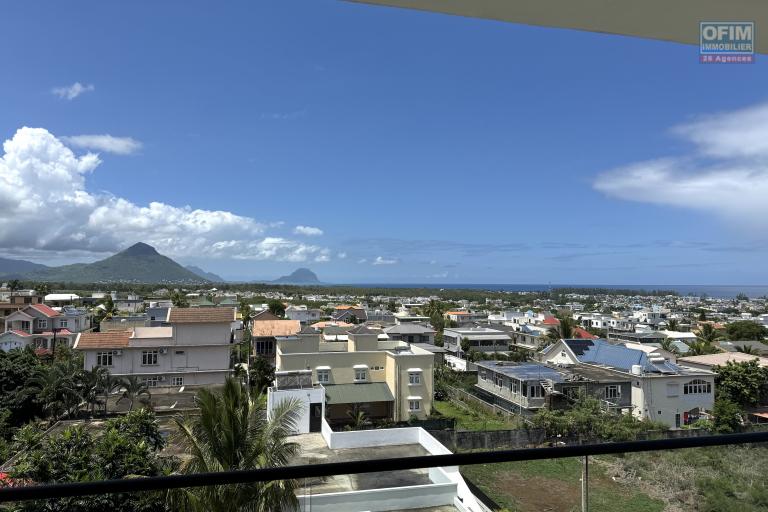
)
(24, 325)
(179, 352)
(149, 357)
(414, 379)
(266, 347)
(514, 386)
(42, 324)
(177, 381)
(482, 375)
(414, 405)
(151, 382)
(499, 380)
(612, 391)
(697, 387)
(360, 374)
(324, 376)
(104, 358)
(62, 323)
(536, 391)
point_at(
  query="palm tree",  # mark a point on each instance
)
(701, 347)
(667, 345)
(134, 389)
(747, 349)
(90, 387)
(56, 388)
(434, 308)
(563, 330)
(672, 324)
(232, 432)
(708, 334)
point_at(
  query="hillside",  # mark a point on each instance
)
(16, 268)
(205, 275)
(298, 276)
(140, 263)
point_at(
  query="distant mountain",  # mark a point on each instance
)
(299, 276)
(140, 263)
(18, 268)
(205, 275)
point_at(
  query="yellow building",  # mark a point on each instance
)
(384, 379)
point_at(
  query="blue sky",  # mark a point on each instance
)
(424, 147)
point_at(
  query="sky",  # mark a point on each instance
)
(376, 145)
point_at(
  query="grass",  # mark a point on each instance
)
(468, 419)
(555, 485)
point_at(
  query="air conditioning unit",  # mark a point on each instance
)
(117, 352)
(163, 350)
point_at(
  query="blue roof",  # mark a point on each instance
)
(604, 353)
(522, 371)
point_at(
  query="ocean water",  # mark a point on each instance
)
(715, 291)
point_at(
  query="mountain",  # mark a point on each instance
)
(205, 275)
(140, 263)
(17, 268)
(299, 276)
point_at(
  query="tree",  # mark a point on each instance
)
(465, 345)
(233, 433)
(128, 447)
(742, 383)
(43, 289)
(700, 347)
(434, 308)
(134, 389)
(392, 306)
(667, 344)
(708, 334)
(14, 285)
(56, 388)
(702, 316)
(178, 300)
(109, 306)
(672, 324)
(747, 349)
(563, 330)
(727, 416)
(17, 369)
(276, 307)
(262, 374)
(746, 330)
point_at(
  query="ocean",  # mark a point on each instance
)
(715, 291)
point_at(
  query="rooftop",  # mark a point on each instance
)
(111, 339)
(523, 371)
(200, 315)
(723, 358)
(272, 328)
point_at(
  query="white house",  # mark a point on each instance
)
(661, 391)
(192, 350)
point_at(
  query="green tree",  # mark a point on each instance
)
(14, 285)
(747, 349)
(668, 345)
(134, 389)
(708, 334)
(17, 369)
(727, 416)
(392, 306)
(563, 330)
(276, 307)
(742, 383)
(178, 300)
(746, 330)
(672, 324)
(233, 433)
(262, 374)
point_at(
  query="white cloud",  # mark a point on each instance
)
(307, 231)
(362, 260)
(726, 175)
(106, 143)
(44, 206)
(341, 255)
(71, 92)
(384, 261)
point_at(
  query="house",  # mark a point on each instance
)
(192, 350)
(262, 315)
(526, 387)
(43, 327)
(660, 390)
(130, 304)
(61, 299)
(481, 339)
(387, 380)
(411, 333)
(303, 314)
(638, 337)
(352, 314)
(264, 332)
(465, 317)
(759, 348)
(709, 361)
(15, 302)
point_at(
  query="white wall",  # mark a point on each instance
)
(381, 500)
(304, 396)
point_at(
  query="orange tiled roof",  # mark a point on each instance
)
(269, 328)
(46, 310)
(326, 323)
(111, 339)
(201, 315)
(457, 313)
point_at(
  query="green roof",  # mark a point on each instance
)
(356, 393)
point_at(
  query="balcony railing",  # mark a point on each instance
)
(65, 490)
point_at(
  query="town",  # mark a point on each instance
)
(519, 365)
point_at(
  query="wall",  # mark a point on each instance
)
(201, 334)
(380, 500)
(304, 396)
(650, 397)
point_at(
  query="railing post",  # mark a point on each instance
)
(585, 484)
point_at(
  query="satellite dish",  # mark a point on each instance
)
(181, 389)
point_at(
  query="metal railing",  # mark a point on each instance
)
(65, 490)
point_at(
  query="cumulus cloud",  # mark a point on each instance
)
(380, 260)
(307, 231)
(44, 206)
(725, 175)
(105, 143)
(71, 92)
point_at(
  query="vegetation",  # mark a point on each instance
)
(232, 433)
(128, 447)
(746, 330)
(742, 383)
(276, 307)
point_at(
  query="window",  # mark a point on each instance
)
(148, 357)
(62, 323)
(324, 376)
(24, 325)
(104, 358)
(151, 382)
(697, 387)
(177, 381)
(499, 380)
(612, 391)
(536, 391)
(414, 405)
(673, 389)
(179, 352)
(514, 386)
(42, 324)
(360, 374)
(266, 347)
(414, 379)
